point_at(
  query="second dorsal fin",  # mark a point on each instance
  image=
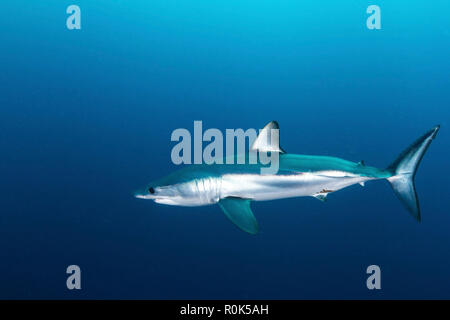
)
(268, 139)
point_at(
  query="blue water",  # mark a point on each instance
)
(86, 118)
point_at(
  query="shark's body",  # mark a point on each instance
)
(298, 176)
(234, 186)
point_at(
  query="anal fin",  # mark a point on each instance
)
(321, 196)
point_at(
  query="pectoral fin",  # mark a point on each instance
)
(239, 212)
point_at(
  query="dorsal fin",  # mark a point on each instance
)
(268, 139)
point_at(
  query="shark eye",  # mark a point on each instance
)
(151, 190)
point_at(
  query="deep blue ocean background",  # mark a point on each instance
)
(86, 119)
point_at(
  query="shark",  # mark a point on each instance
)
(235, 186)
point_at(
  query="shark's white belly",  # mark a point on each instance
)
(271, 187)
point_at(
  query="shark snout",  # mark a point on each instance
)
(155, 193)
(144, 196)
(148, 193)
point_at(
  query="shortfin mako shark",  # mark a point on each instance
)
(235, 186)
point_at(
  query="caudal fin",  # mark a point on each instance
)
(404, 169)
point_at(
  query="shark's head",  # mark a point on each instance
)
(164, 194)
(182, 188)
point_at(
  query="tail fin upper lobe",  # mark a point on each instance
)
(404, 169)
